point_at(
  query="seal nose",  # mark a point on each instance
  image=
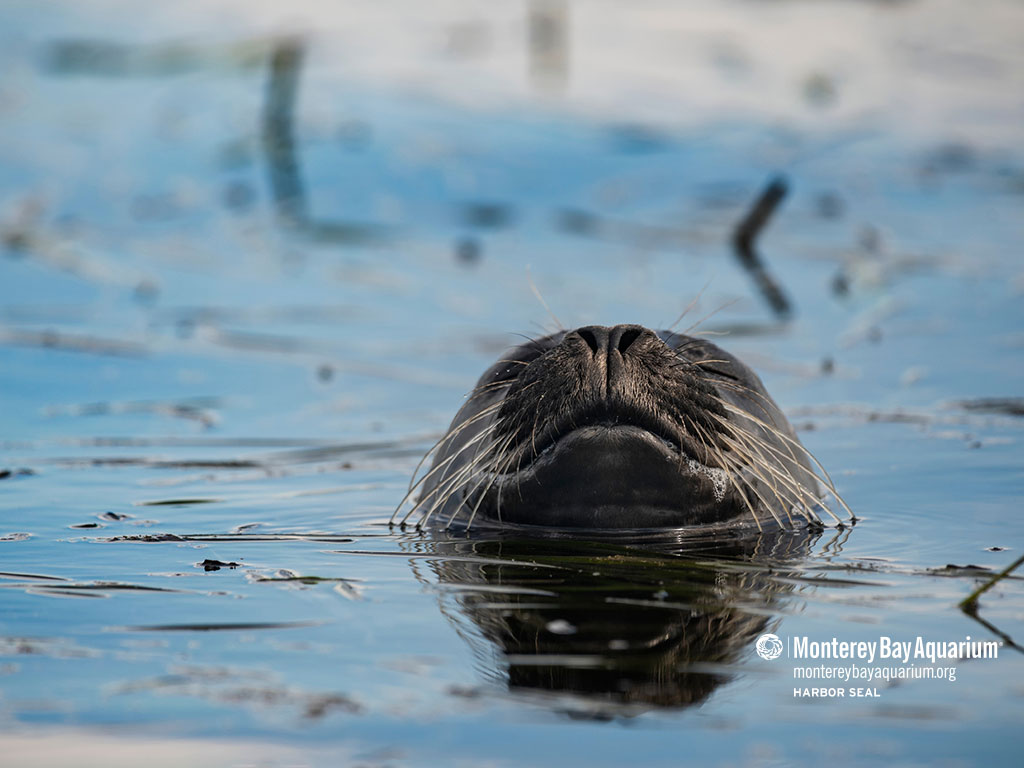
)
(609, 350)
(604, 341)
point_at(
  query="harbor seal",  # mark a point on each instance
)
(619, 428)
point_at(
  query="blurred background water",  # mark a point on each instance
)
(253, 257)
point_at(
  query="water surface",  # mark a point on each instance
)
(216, 387)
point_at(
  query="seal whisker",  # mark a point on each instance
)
(533, 431)
(503, 462)
(793, 484)
(483, 494)
(429, 474)
(495, 385)
(478, 477)
(414, 483)
(688, 307)
(450, 435)
(771, 429)
(710, 315)
(536, 292)
(439, 466)
(743, 496)
(736, 485)
(755, 463)
(827, 480)
(448, 486)
(769, 507)
(765, 405)
(494, 455)
(753, 488)
(532, 342)
(454, 486)
(749, 440)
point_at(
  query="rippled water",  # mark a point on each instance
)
(213, 401)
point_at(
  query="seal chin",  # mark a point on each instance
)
(611, 476)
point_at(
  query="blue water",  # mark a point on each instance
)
(200, 382)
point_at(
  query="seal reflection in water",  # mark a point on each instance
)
(600, 630)
(620, 428)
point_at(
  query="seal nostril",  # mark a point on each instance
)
(627, 338)
(588, 336)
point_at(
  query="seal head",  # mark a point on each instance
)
(619, 428)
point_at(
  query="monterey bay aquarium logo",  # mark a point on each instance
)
(769, 646)
(865, 666)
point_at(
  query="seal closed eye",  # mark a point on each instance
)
(620, 428)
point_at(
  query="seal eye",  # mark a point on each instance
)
(717, 371)
(702, 357)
